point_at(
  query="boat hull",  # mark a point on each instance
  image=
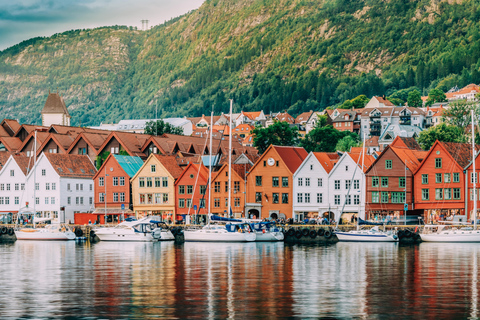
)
(212, 236)
(467, 236)
(269, 236)
(125, 236)
(44, 236)
(166, 236)
(358, 237)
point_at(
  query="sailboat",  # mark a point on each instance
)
(49, 232)
(364, 235)
(234, 230)
(439, 233)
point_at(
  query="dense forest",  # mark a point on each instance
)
(294, 55)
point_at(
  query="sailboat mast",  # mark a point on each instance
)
(34, 177)
(361, 193)
(230, 162)
(210, 170)
(474, 176)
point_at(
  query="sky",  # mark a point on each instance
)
(25, 19)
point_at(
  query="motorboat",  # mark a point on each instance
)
(267, 231)
(367, 235)
(441, 233)
(49, 232)
(137, 230)
(230, 232)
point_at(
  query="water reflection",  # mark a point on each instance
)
(210, 281)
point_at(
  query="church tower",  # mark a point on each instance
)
(55, 111)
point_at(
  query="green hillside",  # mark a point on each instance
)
(265, 54)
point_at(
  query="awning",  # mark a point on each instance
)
(112, 211)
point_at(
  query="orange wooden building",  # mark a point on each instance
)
(191, 190)
(270, 182)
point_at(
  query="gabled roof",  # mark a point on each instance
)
(384, 101)
(11, 124)
(461, 153)
(284, 116)
(4, 156)
(131, 142)
(3, 132)
(252, 115)
(368, 160)
(170, 164)
(244, 127)
(410, 158)
(11, 143)
(94, 140)
(303, 117)
(61, 140)
(327, 159)
(29, 128)
(291, 156)
(196, 167)
(56, 128)
(372, 141)
(409, 143)
(55, 104)
(41, 136)
(129, 164)
(71, 165)
(24, 163)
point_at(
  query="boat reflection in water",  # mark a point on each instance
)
(137, 280)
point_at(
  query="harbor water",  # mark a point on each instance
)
(110, 280)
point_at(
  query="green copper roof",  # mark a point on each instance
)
(129, 164)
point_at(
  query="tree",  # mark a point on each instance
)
(346, 143)
(324, 139)
(160, 127)
(435, 95)
(279, 133)
(441, 132)
(459, 113)
(356, 103)
(414, 99)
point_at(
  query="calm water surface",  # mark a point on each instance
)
(239, 281)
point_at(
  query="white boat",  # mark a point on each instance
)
(267, 231)
(367, 235)
(145, 230)
(232, 232)
(49, 232)
(440, 233)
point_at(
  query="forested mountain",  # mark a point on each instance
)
(265, 54)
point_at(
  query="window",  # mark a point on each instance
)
(320, 182)
(165, 198)
(425, 194)
(446, 178)
(181, 203)
(438, 163)
(189, 203)
(258, 181)
(264, 163)
(319, 197)
(52, 200)
(141, 182)
(37, 186)
(22, 186)
(12, 173)
(401, 182)
(384, 197)
(456, 177)
(348, 199)
(17, 186)
(122, 197)
(356, 199)
(100, 182)
(438, 178)
(77, 200)
(284, 197)
(258, 197)
(203, 189)
(236, 202)
(165, 182)
(44, 172)
(471, 177)
(37, 200)
(311, 167)
(47, 186)
(300, 197)
(300, 182)
(398, 197)
(189, 189)
(153, 168)
(17, 200)
(275, 182)
(424, 178)
(90, 200)
(1, 200)
(337, 184)
(447, 193)
(348, 183)
(275, 197)
(456, 193)
(307, 197)
(149, 182)
(142, 199)
(81, 200)
(226, 186)
(236, 186)
(375, 181)
(115, 181)
(181, 189)
(388, 164)
(100, 198)
(438, 194)
(307, 182)
(216, 202)
(158, 182)
(356, 184)
(216, 186)
(122, 181)
(90, 187)
(158, 198)
(115, 197)
(337, 199)
(285, 182)
(346, 168)
(384, 182)
(8, 186)
(2, 187)
(202, 203)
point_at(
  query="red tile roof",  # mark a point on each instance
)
(170, 164)
(12, 124)
(368, 160)
(460, 152)
(94, 140)
(303, 117)
(71, 165)
(327, 159)
(284, 116)
(291, 156)
(384, 101)
(4, 155)
(55, 104)
(11, 143)
(25, 163)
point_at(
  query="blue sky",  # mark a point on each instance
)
(24, 19)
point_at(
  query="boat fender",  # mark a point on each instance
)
(298, 234)
(291, 232)
(408, 233)
(10, 231)
(395, 237)
(79, 232)
(240, 230)
(63, 229)
(92, 233)
(400, 234)
(417, 236)
(305, 232)
(320, 232)
(313, 234)
(4, 230)
(328, 234)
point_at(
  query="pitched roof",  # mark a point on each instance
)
(3, 132)
(327, 159)
(291, 156)
(410, 143)
(94, 140)
(11, 143)
(284, 116)
(55, 104)
(252, 115)
(372, 141)
(71, 165)
(303, 117)
(41, 136)
(368, 160)
(61, 140)
(4, 156)
(384, 101)
(203, 172)
(244, 127)
(131, 142)
(411, 158)
(24, 162)
(170, 164)
(12, 124)
(461, 152)
(129, 164)
(29, 128)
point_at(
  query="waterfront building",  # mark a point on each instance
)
(220, 190)
(10, 126)
(269, 182)
(88, 144)
(12, 181)
(153, 187)
(11, 144)
(55, 111)
(28, 145)
(311, 185)
(346, 183)
(440, 182)
(348, 120)
(125, 143)
(389, 181)
(63, 186)
(56, 143)
(191, 191)
(112, 184)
